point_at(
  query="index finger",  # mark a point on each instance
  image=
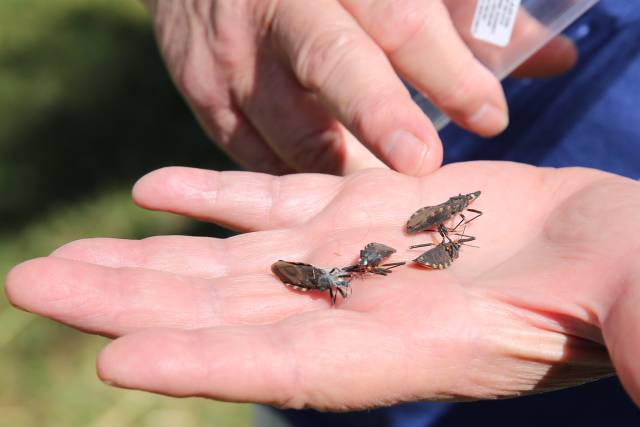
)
(426, 49)
(332, 56)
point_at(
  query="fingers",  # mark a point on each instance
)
(556, 57)
(425, 48)
(296, 125)
(331, 56)
(238, 200)
(331, 359)
(185, 46)
(196, 364)
(115, 301)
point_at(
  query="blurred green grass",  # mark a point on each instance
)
(86, 108)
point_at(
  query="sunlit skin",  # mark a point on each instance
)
(289, 85)
(552, 285)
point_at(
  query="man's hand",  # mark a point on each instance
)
(553, 284)
(290, 85)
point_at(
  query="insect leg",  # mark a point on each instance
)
(475, 211)
(380, 271)
(468, 239)
(422, 245)
(457, 225)
(343, 293)
(393, 264)
(332, 294)
(465, 235)
(384, 269)
(444, 232)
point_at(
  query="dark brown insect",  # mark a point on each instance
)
(305, 277)
(371, 257)
(443, 254)
(428, 217)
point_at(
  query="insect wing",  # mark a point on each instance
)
(374, 253)
(460, 202)
(437, 257)
(296, 273)
(428, 217)
(457, 204)
(472, 196)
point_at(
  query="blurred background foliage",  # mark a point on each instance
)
(86, 108)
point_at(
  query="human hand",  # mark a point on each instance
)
(553, 282)
(290, 85)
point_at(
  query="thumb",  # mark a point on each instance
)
(622, 335)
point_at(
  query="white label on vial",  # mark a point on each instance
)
(494, 19)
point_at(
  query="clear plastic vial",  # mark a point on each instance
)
(502, 34)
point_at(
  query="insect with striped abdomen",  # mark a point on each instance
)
(443, 254)
(371, 257)
(429, 217)
(305, 277)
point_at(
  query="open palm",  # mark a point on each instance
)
(551, 286)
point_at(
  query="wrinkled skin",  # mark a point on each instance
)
(553, 285)
(290, 85)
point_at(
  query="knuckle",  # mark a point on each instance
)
(395, 23)
(215, 51)
(462, 94)
(320, 56)
(197, 79)
(224, 124)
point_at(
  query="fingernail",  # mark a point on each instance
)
(489, 119)
(565, 45)
(405, 152)
(108, 382)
